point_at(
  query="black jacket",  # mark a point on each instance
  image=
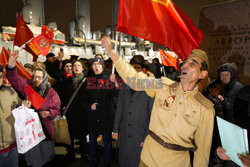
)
(100, 90)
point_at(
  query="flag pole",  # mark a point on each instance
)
(116, 41)
(163, 69)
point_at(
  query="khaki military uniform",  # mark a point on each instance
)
(8, 101)
(178, 117)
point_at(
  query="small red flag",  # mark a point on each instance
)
(36, 100)
(23, 33)
(39, 45)
(159, 21)
(168, 60)
(4, 57)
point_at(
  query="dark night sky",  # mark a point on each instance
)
(61, 11)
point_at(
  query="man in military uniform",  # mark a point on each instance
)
(182, 118)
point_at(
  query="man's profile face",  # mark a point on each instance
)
(225, 77)
(137, 67)
(37, 78)
(68, 68)
(191, 70)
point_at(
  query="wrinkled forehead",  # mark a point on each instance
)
(194, 59)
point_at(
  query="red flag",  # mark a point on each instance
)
(159, 21)
(48, 34)
(4, 57)
(168, 60)
(39, 45)
(36, 100)
(23, 33)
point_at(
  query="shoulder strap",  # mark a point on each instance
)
(73, 96)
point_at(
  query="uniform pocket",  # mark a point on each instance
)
(191, 120)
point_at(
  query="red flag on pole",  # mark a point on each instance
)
(4, 57)
(168, 60)
(159, 21)
(23, 33)
(36, 100)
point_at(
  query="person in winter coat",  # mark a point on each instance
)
(77, 112)
(222, 92)
(62, 83)
(44, 151)
(242, 119)
(100, 114)
(132, 118)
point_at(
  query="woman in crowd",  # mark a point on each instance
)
(77, 112)
(44, 151)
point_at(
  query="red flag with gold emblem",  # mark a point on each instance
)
(23, 33)
(39, 45)
(168, 60)
(4, 57)
(160, 21)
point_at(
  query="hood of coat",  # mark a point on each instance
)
(230, 67)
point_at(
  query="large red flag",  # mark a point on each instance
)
(23, 33)
(4, 57)
(168, 60)
(159, 21)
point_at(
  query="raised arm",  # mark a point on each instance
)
(17, 82)
(136, 80)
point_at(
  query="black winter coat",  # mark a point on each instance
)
(100, 90)
(132, 119)
(77, 112)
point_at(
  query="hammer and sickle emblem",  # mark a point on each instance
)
(163, 2)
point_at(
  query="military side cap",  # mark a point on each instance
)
(201, 54)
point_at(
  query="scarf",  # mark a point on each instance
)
(68, 75)
(76, 79)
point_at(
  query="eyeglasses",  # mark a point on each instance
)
(38, 77)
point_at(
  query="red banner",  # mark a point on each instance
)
(39, 45)
(159, 21)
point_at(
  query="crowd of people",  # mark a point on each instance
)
(159, 119)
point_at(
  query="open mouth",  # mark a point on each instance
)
(183, 73)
